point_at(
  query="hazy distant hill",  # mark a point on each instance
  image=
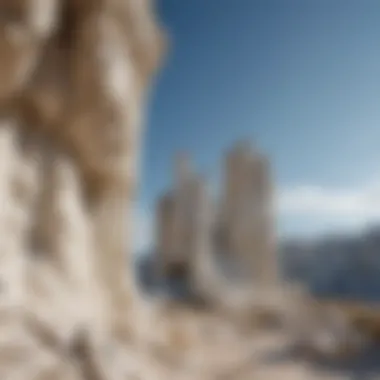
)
(342, 266)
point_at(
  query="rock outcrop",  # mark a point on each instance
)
(74, 75)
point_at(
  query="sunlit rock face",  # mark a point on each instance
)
(74, 76)
(247, 218)
(183, 228)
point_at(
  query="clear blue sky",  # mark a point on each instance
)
(300, 78)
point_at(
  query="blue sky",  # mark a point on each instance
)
(299, 78)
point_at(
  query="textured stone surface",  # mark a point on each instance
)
(247, 213)
(238, 230)
(74, 77)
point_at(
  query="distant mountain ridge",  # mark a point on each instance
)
(345, 266)
(340, 266)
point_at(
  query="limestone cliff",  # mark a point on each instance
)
(74, 75)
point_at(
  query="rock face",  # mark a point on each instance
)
(233, 237)
(165, 223)
(183, 227)
(247, 214)
(74, 75)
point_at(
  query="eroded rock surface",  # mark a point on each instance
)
(74, 75)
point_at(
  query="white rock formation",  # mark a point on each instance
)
(74, 75)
